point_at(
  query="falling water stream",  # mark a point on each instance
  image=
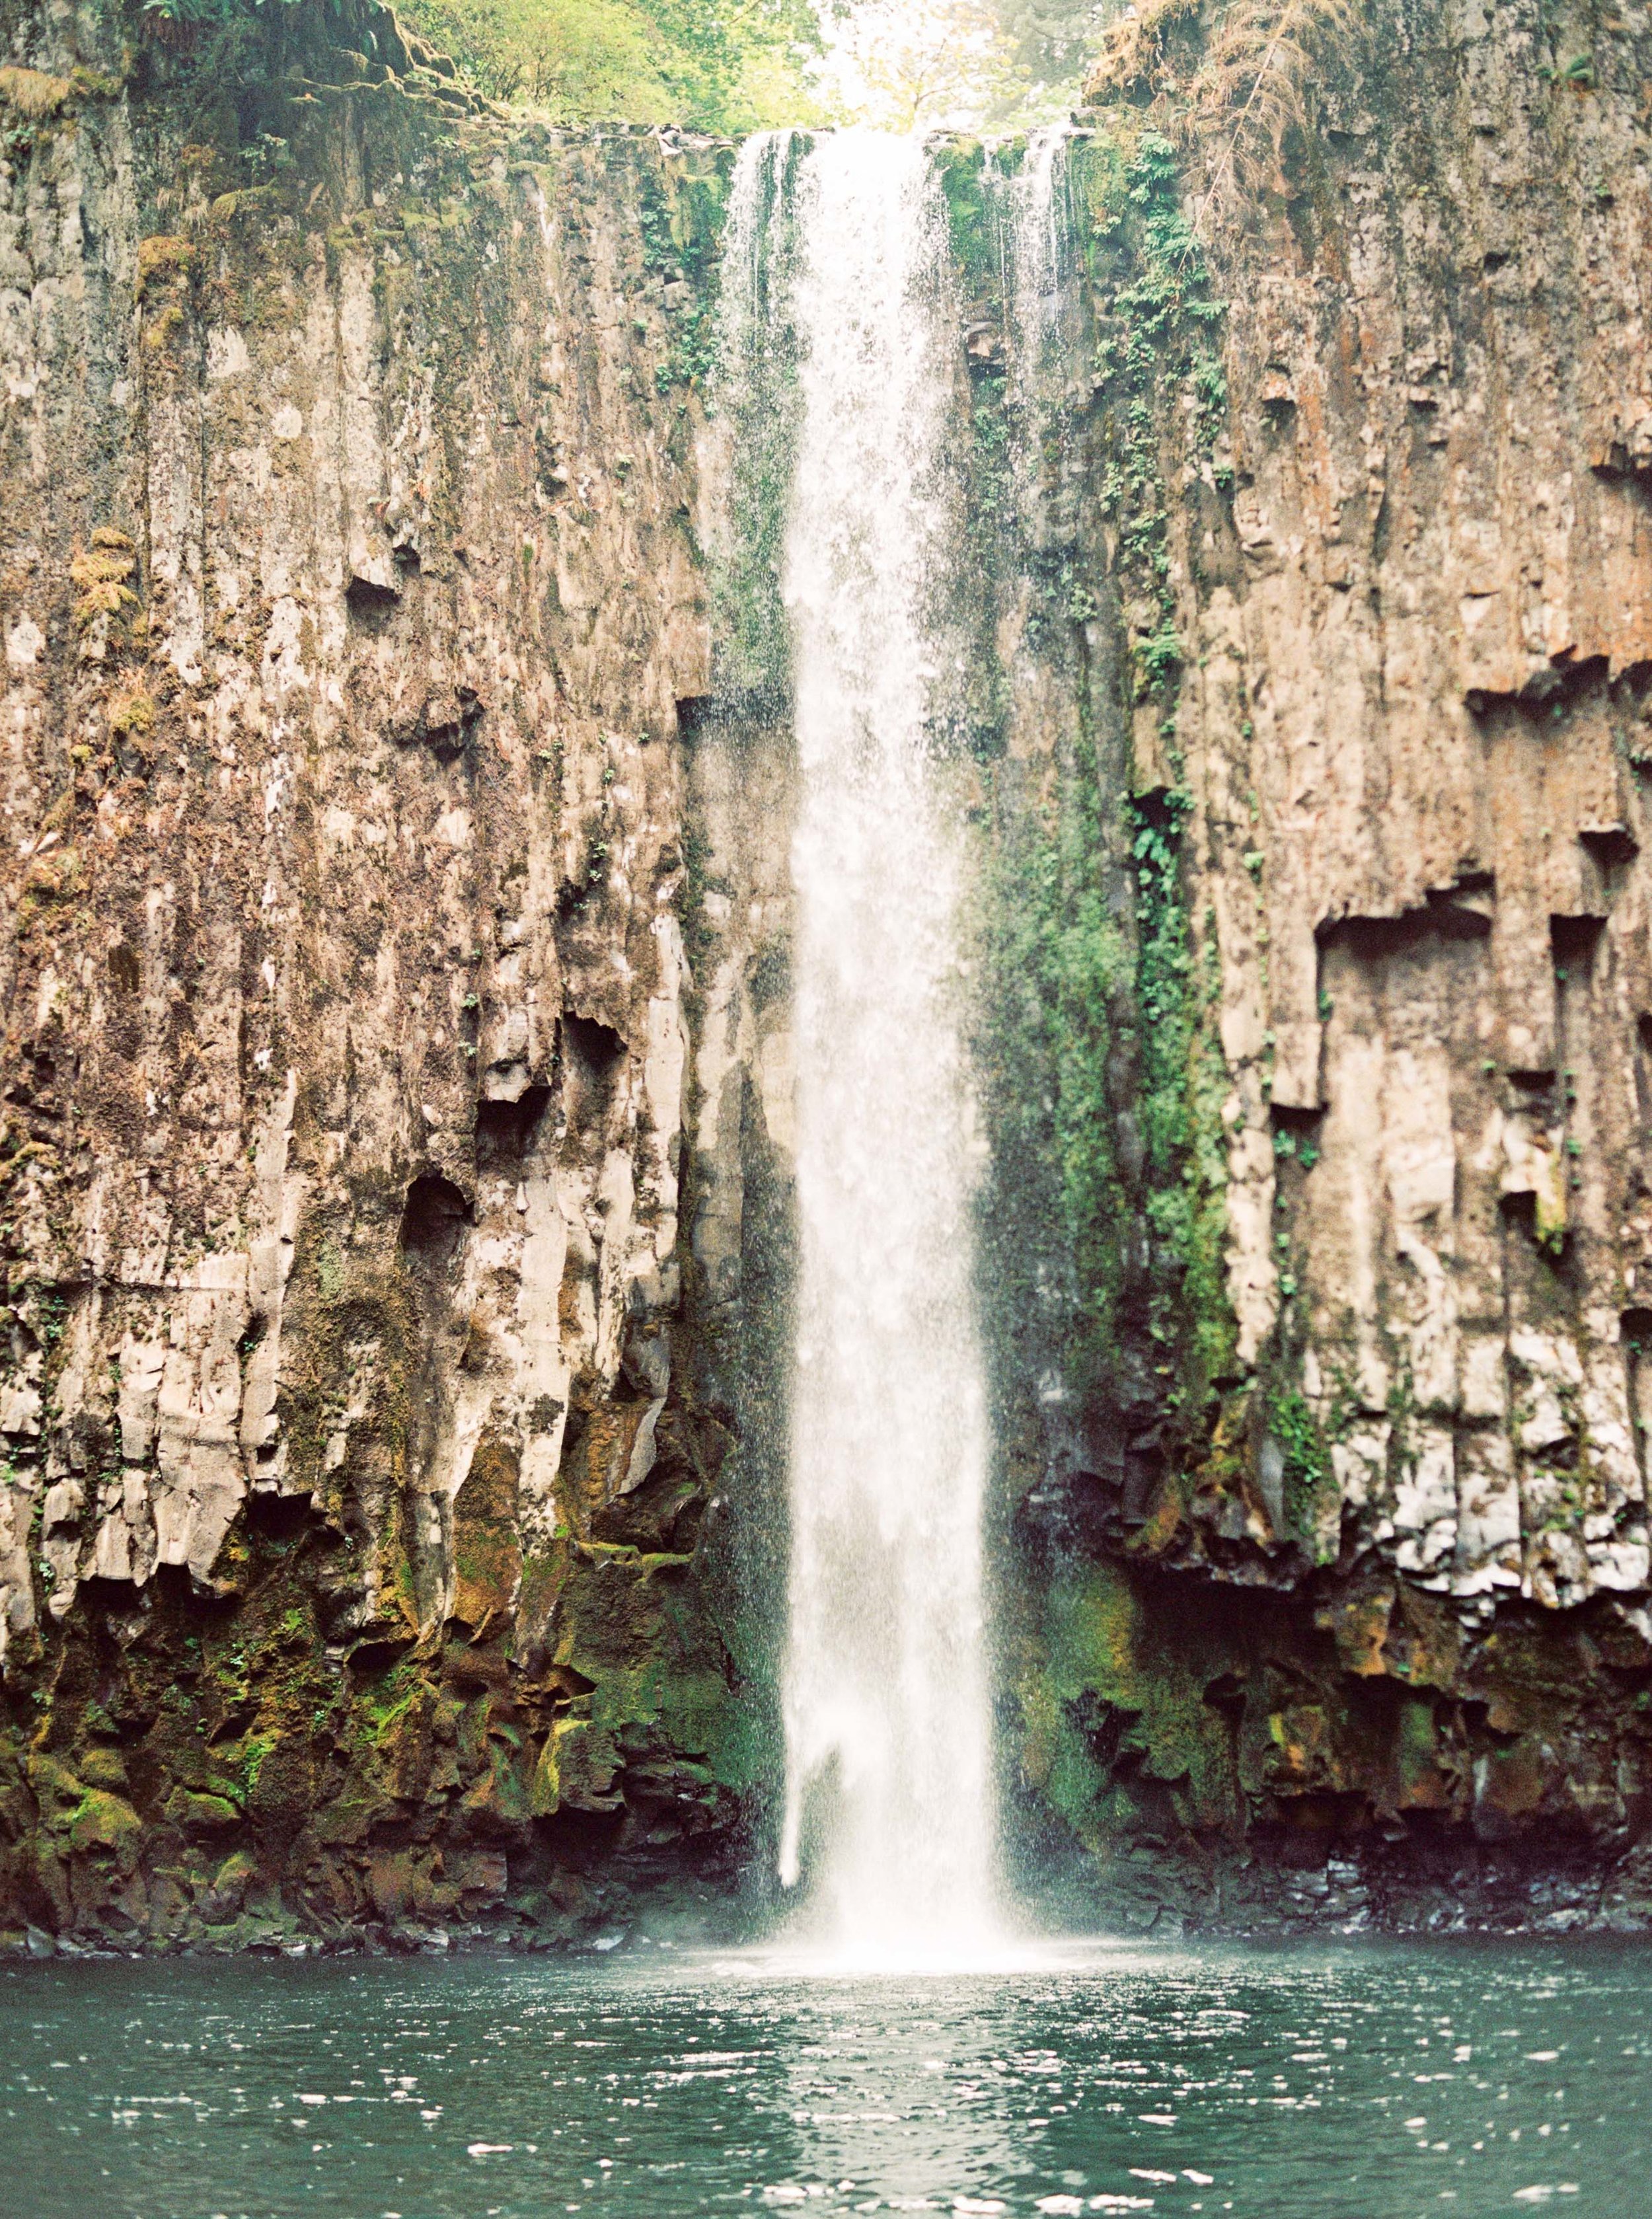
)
(888, 1792)
(841, 244)
(1037, 193)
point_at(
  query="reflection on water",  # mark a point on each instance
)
(1357, 2082)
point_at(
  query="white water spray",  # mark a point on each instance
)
(888, 1801)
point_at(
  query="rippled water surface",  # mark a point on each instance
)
(1360, 2081)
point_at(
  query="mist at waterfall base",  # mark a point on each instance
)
(1358, 2080)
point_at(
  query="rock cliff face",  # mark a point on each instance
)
(397, 1055)
(353, 1537)
(1391, 634)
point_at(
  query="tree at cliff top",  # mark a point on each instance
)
(908, 64)
(902, 64)
(1047, 47)
(735, 67)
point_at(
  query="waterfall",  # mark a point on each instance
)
(888, 1790)
(1036, 195)
(1038, 236)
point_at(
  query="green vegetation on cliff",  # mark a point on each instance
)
(1106, 1068)
(1058, 980)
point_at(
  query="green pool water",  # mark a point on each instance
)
(1364, 2081)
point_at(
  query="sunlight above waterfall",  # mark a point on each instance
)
(916, 64)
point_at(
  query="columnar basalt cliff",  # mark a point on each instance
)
(1372, 456)
(397, 1058)
(359, 1457)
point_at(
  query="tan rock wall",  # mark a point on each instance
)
(349, 586)
(1403, 754)
(397, 1055)
(1415, 709)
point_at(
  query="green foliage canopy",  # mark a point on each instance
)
(722, 64)
(1052, 42)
